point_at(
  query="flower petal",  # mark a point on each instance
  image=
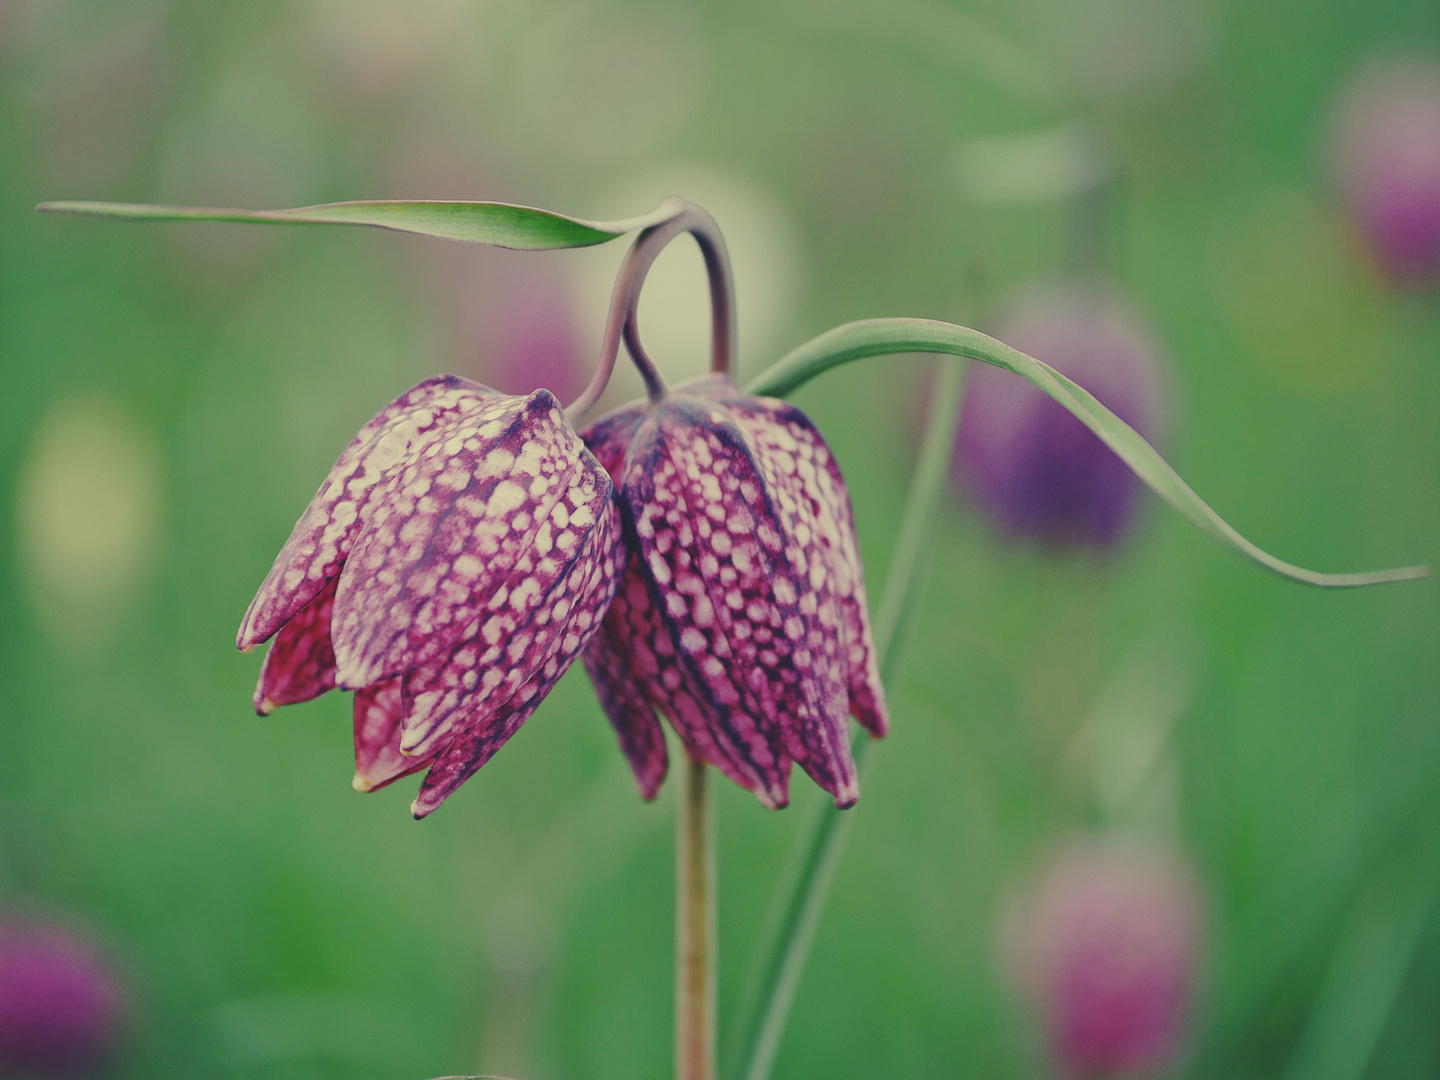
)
(464, 541)
(656, 666)
(322, 537)
(622, 694)
(609, 437)
(713, 550)
(378, 761)
(811, 689)
(787, 431)
(300, 664)
(591, 581)
(506, 641)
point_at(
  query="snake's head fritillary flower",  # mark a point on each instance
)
(1107, 949)
(1033, 469)
(741, 616)
(1385, 162)
(454, 563)
(61, 1003)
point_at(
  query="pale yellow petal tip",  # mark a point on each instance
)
(265, 707)
(415, 811)
(361, 784)
(248, 649)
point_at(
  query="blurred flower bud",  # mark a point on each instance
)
(1106, 949)
(1032, 468)
(532, 340)
(60, 1003)
(1384, 156)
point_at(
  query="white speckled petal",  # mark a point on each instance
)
(788, 434)
(300, 664)
(323, 536)
(466, 540)
(589, 584)
(378, 761)
(610, 663)
(716, 555)
(635, 666)
(506, 641)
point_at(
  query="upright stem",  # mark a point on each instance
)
(695, 946)
(621, 323)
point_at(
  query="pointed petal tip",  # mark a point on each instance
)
(362, 785)
(420, 812)
(772, 798)
(847, 797)
(263, 706)
(244, 648)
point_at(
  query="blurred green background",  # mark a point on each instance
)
(170, 396)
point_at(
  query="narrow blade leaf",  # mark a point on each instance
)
(523, 228)
(875, 337)
(800, 895)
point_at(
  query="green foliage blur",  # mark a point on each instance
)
(170, 396)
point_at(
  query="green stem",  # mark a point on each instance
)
(695, 947)
(800, 897)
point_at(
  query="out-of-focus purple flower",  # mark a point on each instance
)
(742, 613)
(454, 563)
(531, 340)
(61, 1004)
(1107, 949)
(1384, 151)
(1032, 468)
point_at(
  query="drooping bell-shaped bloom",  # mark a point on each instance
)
(741, 616)
(61, 1003)
(452, 566)
(1384, 150)
(1107, 950)
(1033, 469)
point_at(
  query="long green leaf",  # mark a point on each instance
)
(522, 228)
(875, 337)
(1366, 971)
(800, 895)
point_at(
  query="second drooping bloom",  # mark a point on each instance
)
(452, 566)
(741, 616)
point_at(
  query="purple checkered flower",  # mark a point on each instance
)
(61, 1003)
(1033, 469)
(1385, 161)
(454, 563)
(741, 616)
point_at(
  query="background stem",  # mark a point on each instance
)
(800, 895)
(695, 944)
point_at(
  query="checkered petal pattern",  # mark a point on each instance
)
(742, 615)
(458, 558)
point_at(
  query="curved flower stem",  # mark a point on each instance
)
(625, 299)
(695, 938)
(800, 896)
